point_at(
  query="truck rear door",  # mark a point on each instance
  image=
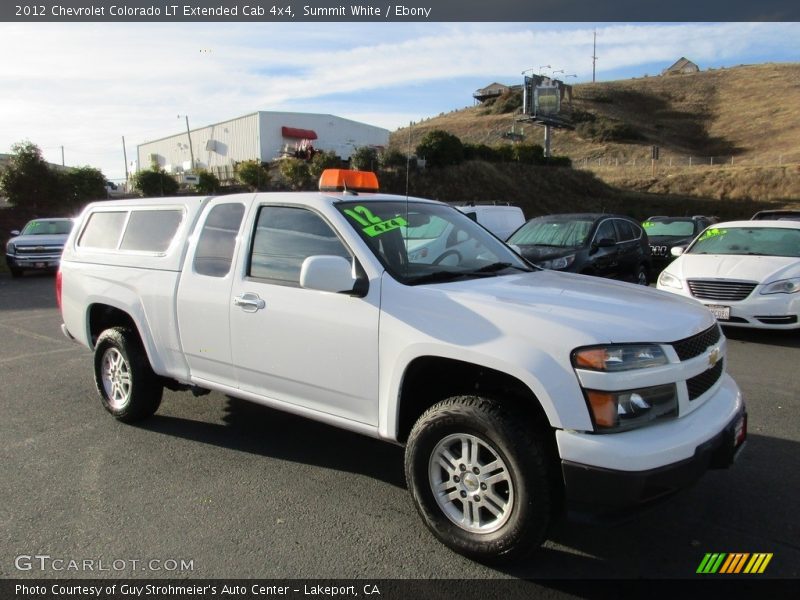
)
(204, 291)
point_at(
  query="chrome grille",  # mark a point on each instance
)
(697, 344)
(730, 291)
(37, 250)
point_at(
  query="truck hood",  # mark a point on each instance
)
(762, 269)
(592, 309)
(39, 240)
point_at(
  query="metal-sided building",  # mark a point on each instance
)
(263, 135)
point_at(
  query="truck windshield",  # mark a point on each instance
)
(48, 227)
(420, 242)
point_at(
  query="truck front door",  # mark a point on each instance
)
(315, 349)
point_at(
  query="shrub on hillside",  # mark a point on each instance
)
(528, 154)
(607, 130)
(440, 149)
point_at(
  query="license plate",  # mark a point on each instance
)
(39, 265)
(723, 313)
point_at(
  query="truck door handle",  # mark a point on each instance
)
(249, 302)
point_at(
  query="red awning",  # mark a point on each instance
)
(301, 134)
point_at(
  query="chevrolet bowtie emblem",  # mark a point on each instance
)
(713, 358)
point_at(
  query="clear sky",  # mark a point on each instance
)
(83, 86)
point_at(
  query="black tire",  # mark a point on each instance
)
(641, 276)
(16, 273)
(128, 387)
(530, 489)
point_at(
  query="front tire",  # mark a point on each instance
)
(481, 476)
(128, 387)
(641, 276)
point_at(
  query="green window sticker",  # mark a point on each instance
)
(372, 225)
(647, 224)
(709, 233)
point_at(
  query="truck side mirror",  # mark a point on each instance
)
(327, 274)
(15, 232)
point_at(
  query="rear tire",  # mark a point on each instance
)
(481, 477)
(128, 387)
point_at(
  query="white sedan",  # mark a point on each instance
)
(746, 272)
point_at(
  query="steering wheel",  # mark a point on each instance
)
(447, 254)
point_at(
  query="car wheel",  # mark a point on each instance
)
(640, 276)
(128, 387)
(480, 476)
(15, 273)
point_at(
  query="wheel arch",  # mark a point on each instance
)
(101, 316)
(430, 379)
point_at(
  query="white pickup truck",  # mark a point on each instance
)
(516, 391)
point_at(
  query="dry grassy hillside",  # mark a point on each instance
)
(717, 119)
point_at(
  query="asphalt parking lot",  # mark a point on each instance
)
(241, 491)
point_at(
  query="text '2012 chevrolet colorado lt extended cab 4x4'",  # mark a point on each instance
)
(515, 391)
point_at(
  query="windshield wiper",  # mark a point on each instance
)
(499, 266)
(439, 276)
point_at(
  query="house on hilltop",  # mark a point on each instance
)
(681, 67)
(494, 90)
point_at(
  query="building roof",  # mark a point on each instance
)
(680, 64)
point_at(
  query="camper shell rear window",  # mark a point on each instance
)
(148, 230)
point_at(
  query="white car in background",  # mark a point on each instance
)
(746, 272)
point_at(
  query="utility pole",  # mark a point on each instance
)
(189, 135)
(125, 158)
(594, 55)
(62, 157)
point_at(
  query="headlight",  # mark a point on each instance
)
(669, 280)
(622, 357)
(557, 263)
(784, 286)
(620, 411)
(10, 248)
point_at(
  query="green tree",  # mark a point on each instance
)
(321, 161)
(364, 158)
(83, 185)
(208, 182)
(441, 149)
(392, 159)
(253, 173)
(29, 181)
(296, 173)
(155, 182)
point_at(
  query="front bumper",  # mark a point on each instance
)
(593, 489)
(757, 311)
(33, 262)
(603, 472)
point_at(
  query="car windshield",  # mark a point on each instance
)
(669, 227)
(562, 233)
(421, 242)
(757, 241)
(47, 227)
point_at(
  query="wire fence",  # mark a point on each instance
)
(688, 161)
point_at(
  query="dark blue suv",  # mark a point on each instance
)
(604, 245)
